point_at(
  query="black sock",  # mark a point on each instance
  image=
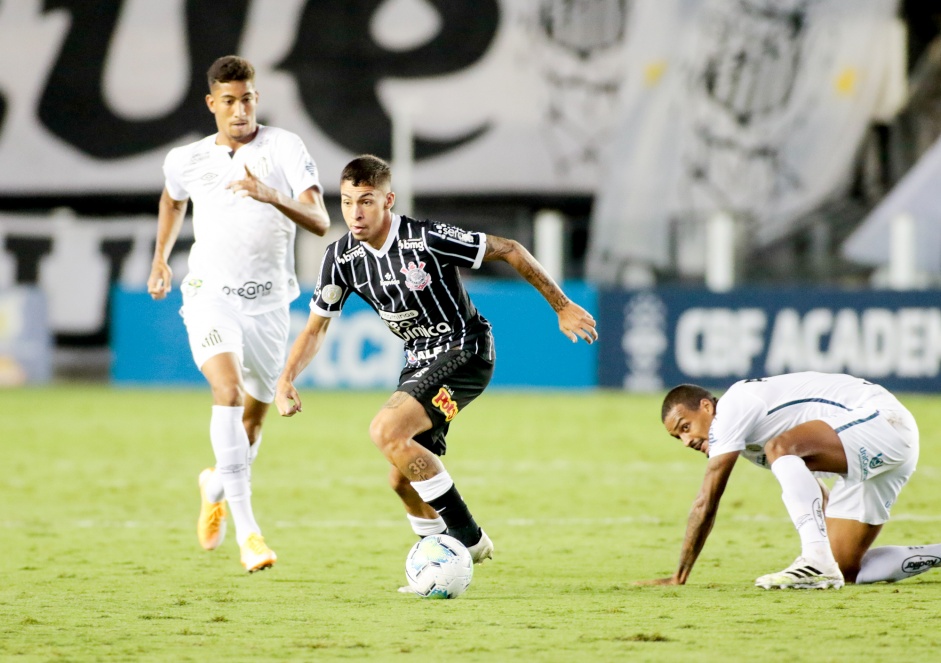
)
(460, 522)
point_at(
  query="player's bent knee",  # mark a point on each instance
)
(229, 395)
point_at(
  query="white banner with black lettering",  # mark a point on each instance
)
(502, 95)
(752, 108)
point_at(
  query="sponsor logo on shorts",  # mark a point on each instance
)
(416, 278)
(876, 461)
(249, 290)
(414, 357)
(388, 279)
(212, 338)
(331, 293)
(864, 462)
(445, 403)
(919, 563)
(356, 252)
(412, 244)
(394, 316)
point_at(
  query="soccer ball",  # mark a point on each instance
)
(439, 567)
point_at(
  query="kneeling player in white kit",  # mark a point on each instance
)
(251, 186)
(798, 424)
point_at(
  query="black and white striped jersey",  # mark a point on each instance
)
(414, 285)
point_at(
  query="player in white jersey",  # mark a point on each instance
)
(407, 270)
(795, 425)
(251, 186)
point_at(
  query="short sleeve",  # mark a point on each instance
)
(736, 415)
(455, 245)
(331, 291)
(299, 168)
(173, 176)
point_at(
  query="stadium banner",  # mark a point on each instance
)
(652, 340)
(754, 108)
(149, 345)
(106, 89)
(25, 339)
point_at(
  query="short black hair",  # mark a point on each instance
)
(367, 170)
(230, 68)
(687, 395)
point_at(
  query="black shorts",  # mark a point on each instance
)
(444, 388)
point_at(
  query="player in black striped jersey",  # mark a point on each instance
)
(407, 270)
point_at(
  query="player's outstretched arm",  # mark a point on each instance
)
(574, 321)
(701, 517)
(305, 348)
(308, 210)
(170, 216)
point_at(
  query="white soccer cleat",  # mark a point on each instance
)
(804, 574)
(481, 550)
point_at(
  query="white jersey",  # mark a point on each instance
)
(752, 412)
(244, 249)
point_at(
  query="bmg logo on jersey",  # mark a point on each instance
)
(445, 403)
(250, 289)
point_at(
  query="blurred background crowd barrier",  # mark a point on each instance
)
(734, 187)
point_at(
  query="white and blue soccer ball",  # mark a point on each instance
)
(439, 567)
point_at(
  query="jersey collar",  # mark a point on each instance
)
(391, 237)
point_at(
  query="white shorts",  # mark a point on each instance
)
(881, 445)
(259, 341)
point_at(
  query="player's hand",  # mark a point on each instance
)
(575, 322)
(287, 399)
(252, 187)
(659, 581)
(158, 284)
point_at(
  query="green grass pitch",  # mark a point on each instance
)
(582, 493)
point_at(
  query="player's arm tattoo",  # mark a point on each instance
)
(515, 254)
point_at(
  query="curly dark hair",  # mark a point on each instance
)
(230, 68)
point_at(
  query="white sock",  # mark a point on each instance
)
(230, 444)
(426, 526)
(804, 502)
(252, 455)
(213, 487)
(892, 563)
(434, 487)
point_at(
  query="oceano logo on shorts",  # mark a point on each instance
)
(250, 289)
(918, 563)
